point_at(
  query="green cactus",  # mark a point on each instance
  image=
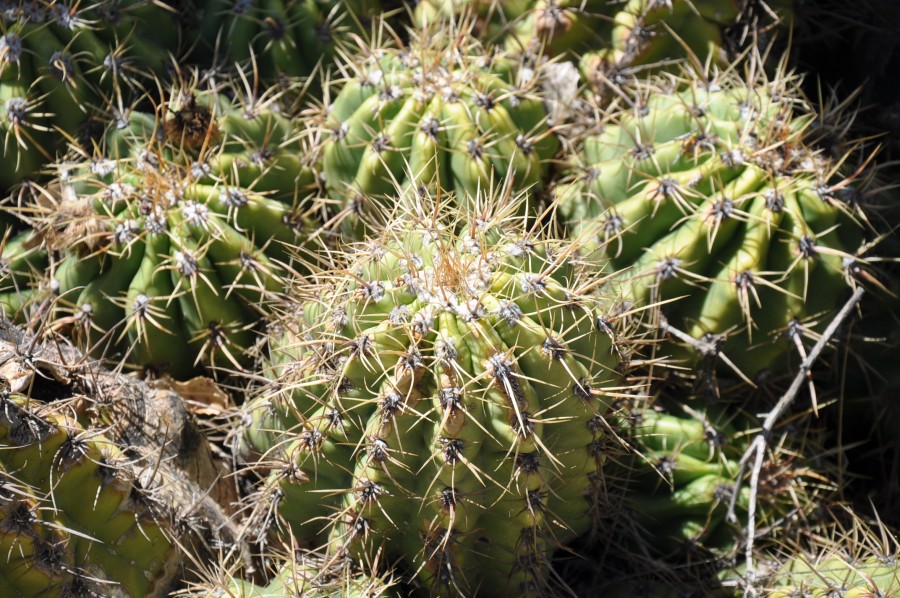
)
(646, 33)
(307, 574)
(20, 266)
(73, 519)
(712, 198)
(682, 479)
(442, 398)
(836, 575)
(851, 556)
(440, 113)
(170, 237)
(551, 27)
(57, 61)
(613, 38)
(276, 38)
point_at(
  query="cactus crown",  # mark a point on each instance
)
(452, 374)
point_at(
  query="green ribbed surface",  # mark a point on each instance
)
(172, 236)
(441, 114)
(72, 519)
(445, 402)
(708, 196)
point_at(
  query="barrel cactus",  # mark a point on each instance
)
(824, 575)
(74, 520)
(442, 399)
(58, 60)
(613, 37)
(714, 202)
(167, 239)
(290, 38)
(442, 114)
(305, 574)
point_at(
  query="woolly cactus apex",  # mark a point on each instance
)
(441, 399)
(712, 197)
(173, 233)
(57, 60)
(440, 113)
(73, 519)
(305, 574)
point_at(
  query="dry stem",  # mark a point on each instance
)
(757, 448)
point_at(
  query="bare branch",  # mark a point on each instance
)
(756, 450)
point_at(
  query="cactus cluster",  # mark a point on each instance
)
(448, 298)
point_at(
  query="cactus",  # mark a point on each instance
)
(73, 520)
(649, 33)
(58, 61)
(20, 266)
(276, 38)
(614, 38)
(538, 26)
(444, 402)
(306, 574)
(851, 556)
(682, 479)
(835, 575)
(440, 113)
(713, 198)
(171, 236)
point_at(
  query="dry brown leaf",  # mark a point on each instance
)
(201, 394)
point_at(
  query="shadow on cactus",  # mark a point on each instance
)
(59, 61)
(441, 399)
(276, 40)
(74, 520)
(166, 240)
